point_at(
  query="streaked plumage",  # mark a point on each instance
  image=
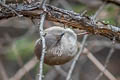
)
(61, 45)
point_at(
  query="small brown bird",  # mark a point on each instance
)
(61, 45)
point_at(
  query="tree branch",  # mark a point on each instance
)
(66, 17)
(116, 2)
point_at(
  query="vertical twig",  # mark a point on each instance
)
(82, 45)
(76, 58)
(42, 39)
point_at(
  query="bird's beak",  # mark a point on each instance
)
(82, 33)
(60, 36)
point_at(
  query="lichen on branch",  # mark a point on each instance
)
(70, 18)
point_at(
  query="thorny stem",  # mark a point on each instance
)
(66, 17)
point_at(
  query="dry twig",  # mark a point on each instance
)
(83, 43)
(42, 39)
(107, 60)
(106, 63)
(99, 65)
(76, 58)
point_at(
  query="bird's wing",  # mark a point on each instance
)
(50, 42)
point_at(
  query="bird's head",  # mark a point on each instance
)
(63, 35)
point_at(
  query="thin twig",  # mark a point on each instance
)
(76, 58)
(116, 2)
(112, 49)
(82, 45)
(99, 65)
(99, 11)
(107, 60)
(42, 39)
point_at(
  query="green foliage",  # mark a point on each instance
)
(110, 20)
(24, 48)
(111, 8)
(78, 8)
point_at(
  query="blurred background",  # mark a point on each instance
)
(18, 36)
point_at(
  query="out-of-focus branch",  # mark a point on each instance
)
(81, 47)
(83, 43)
(19, 60)
(107, 60)
(99, 65)
(60, 71)
(116, 2)
(3, 72)
(103, 43)
(66, 17)
(26, 68)
(3, 1)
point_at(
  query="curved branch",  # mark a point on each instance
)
(66, 17)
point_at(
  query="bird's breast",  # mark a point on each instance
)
(58, 55)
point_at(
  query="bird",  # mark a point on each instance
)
(61, 45)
